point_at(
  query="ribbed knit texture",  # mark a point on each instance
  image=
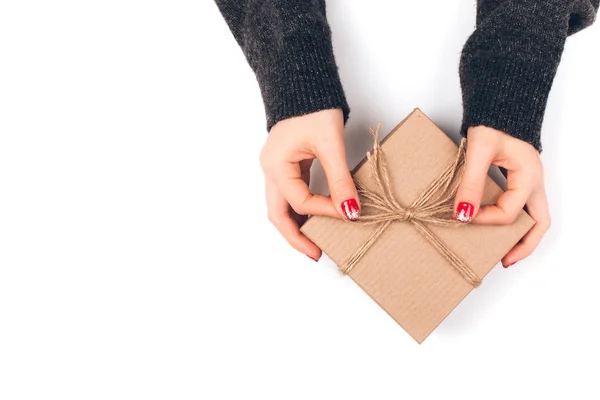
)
(288, 45)
(508, 64)
(506, 69)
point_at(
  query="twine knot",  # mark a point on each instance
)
(433, 206)
(408, 215)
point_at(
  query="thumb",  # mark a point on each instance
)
(470, 190)
(341, 186)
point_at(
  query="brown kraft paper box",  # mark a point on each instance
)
(402, 271)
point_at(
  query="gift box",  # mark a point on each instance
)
(406, 252)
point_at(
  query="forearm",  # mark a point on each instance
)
(509, 63)
(288, 46)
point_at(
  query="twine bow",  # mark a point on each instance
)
(434, 206)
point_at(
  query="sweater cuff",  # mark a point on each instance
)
(506, 87)
(507, 95)
(302, 78)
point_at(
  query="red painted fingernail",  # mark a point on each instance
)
(510, 265)
(464, 212)
(350, 209)
(314, 259)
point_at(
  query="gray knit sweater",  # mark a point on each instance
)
(506, 68)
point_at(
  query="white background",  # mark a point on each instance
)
(136, 259)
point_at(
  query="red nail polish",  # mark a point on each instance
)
(314, 259)
(350, 209)
(464, 212)
(510, 265)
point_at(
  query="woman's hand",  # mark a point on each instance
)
(485, 147)
(286, 159)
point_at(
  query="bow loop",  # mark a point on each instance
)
(432, 206)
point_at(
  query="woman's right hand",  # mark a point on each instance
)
(286, 158)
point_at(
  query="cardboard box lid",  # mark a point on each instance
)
(402, 272)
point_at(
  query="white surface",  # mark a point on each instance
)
(136, 259)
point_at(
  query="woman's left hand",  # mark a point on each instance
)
(525, 186)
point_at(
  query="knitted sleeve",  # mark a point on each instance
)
(288, 46)
(509, 62)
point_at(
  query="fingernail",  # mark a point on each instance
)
(464, 212)
(510, 265)
(314, 259)
(350, 209)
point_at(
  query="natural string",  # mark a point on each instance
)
(433, 206)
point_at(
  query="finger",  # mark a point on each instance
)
(537, 206)
(305, 166)
(510, 204)
(278, 211)
(295, 190)
(297, 218)
(470, 190)
(332, 155)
